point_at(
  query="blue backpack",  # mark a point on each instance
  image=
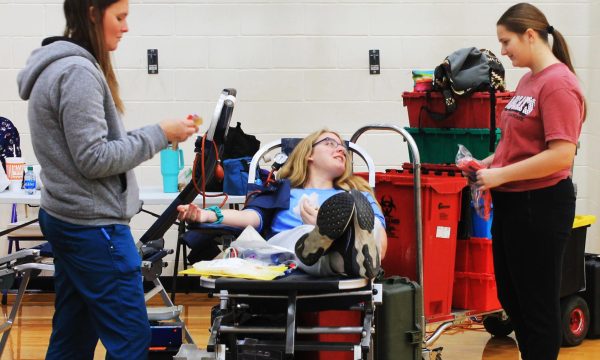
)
(10, 142)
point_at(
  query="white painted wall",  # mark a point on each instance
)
(298, 66)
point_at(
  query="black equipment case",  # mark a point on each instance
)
(592, 293)
(397, 321)
(573, 269)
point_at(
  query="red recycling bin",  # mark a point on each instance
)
(475, 255)
(471, 111)
(474, 279)
(475, 291)
(441, 205)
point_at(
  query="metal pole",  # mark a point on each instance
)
(416, 162)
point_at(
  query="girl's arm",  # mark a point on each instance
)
(236, 218)
(557, 157)
(488, 160)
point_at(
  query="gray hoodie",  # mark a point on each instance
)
(78, 137)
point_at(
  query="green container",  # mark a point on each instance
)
(398, 321)
(439, 146)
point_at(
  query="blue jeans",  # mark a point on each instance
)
(99, 292)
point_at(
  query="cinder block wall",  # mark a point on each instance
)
(589, 169)
(297, 66)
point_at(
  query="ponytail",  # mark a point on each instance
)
(561, 50)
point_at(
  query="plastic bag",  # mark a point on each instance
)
(249, 257)
(482, 200)
(252, 247)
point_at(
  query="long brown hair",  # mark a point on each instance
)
(83, 30)
(296, 167)
(520, 17)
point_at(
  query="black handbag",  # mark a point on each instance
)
(462, 73)
(239, 144)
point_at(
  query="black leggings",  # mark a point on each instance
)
(529, 232)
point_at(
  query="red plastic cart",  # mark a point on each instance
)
(474, 286)
(427, 250)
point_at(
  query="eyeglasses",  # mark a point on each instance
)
(330, 143)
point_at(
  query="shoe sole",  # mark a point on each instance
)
(365, 253)
(332, 220)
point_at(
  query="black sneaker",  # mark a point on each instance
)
(332, 220)
(365, 255)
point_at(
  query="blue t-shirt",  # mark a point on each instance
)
(290, 218)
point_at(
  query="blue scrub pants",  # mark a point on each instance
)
(99, 292)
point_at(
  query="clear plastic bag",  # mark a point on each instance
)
(482, 200)
(252, 247)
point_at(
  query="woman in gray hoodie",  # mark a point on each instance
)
(90, 192)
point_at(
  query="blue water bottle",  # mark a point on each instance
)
(171, 162)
